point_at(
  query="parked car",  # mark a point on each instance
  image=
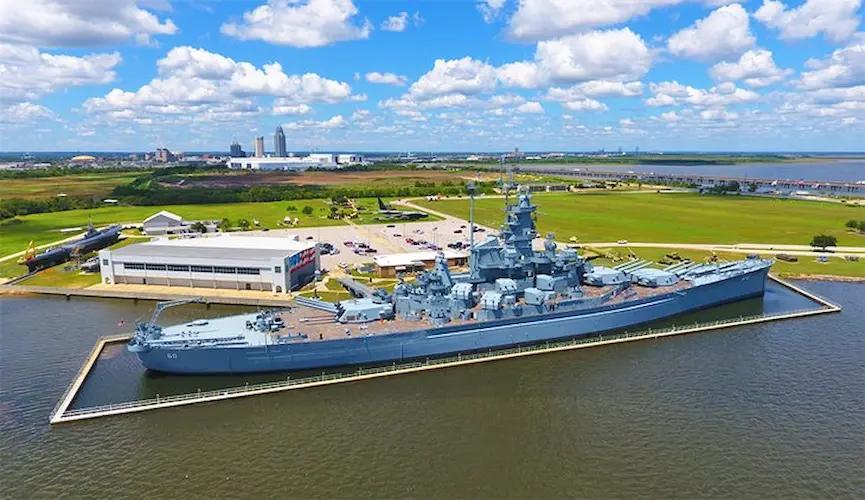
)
(348, 243)
(391, 226)
(397, 235)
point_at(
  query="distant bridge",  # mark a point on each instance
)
(780, 185)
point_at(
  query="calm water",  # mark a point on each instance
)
(826, 170)
(768, 410)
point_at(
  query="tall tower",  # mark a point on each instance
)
(279, 142)
(236, 150)
(259, 146)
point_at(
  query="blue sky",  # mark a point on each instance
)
(132, 75)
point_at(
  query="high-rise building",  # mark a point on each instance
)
(236, 150)
(164, 155)
(259, 146)
(279, 143)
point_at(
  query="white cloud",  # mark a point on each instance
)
(461, 76)
(385, 78)
(336, 121)
(545, 19)
(755, 67)
(610, 54)
(579, 97)
(723, 33)
(283, 107)
(490, 9)
(718, 114)
(524, 74)
(531, 107)
(673, 93)
(836, 19)
(27, 73)
(597, 55)
(24, 112)
(57, 23)
(585, 105)
(195, 82)
(300, 23)
(603, 88)
(396, 23)
(844, 67)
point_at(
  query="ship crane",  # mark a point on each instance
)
(161, 306)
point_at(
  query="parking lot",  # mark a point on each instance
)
(384, 238)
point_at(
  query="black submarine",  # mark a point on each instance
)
(93, 239)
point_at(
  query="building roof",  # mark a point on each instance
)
(217, 247)
(164, 213)
(83, 158)
(227, 240)
(411, 258)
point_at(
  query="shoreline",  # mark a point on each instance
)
(823, 277)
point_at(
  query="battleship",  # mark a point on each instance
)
(92, 240)
(511, 295)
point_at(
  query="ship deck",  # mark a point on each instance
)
(319, 326)
(305, 324)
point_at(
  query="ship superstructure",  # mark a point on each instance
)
(512, 294)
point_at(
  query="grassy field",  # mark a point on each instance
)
(89, 184)
(45, 228)
(675, 218)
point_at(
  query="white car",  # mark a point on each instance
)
(623, 242)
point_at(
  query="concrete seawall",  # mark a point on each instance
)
(187, 293)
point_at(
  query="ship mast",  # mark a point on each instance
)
(470, 187)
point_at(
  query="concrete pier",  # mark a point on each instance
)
(142, 293)
(62, 414)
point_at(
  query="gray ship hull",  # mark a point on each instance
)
(448, 340)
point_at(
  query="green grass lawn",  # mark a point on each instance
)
(45, 228)
(675, 218)
(57, 276)
(65, 276)
(89, 184)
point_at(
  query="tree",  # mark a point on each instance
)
(224, 225)
(244, 224)
(307, 210)
(853, 224)
(862, 226)
(198, 227)
(823, 241)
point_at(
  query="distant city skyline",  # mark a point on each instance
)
(354, 75)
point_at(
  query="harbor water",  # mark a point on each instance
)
(774, 409)
(846, 170)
